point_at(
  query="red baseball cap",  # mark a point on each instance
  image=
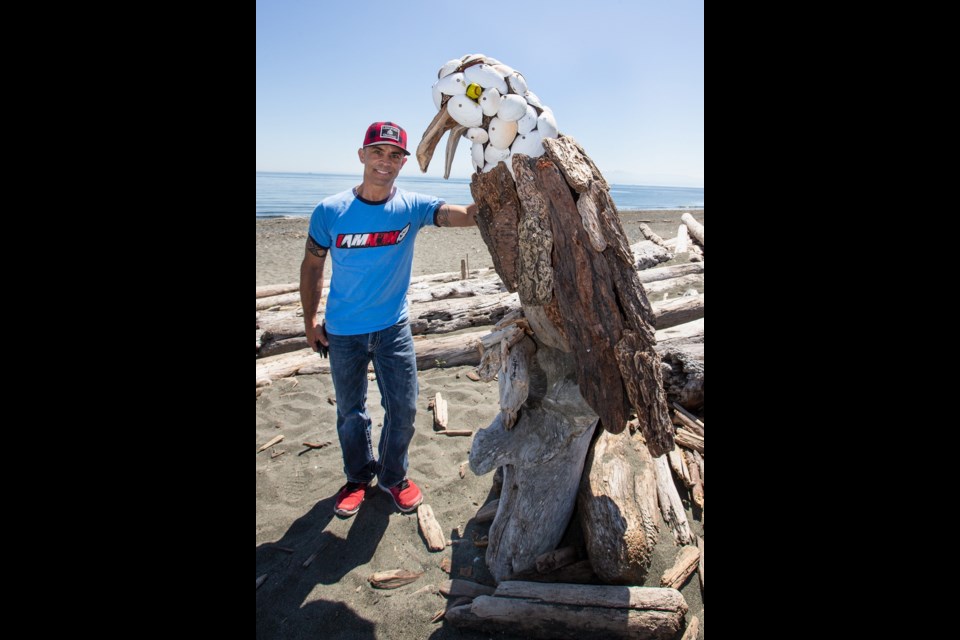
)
(386, 133)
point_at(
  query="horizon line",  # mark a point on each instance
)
(422, 176)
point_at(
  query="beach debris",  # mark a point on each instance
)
(682, 239)
(473, 376)
(439, 412)
(393, 578)
(274, 440)
(438, 615)
(692, 630)
(700, 565)
(310, 446)
(682, 419)
(277, 454)
(689, 440)
(696, 229)
(463, 469)
(696, 482)
(697, 421)
(330, 400)
(456, 432)
(456, 588)
(679, 466)
(262, 579)
(430, 528)
(671, 506)
(445, 564)
(683, 567)
(537, 610)
(490, 104)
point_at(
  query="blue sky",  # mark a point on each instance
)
(623, 78)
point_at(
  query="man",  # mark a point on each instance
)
(369, 233)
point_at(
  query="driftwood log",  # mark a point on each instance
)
(574, 611)
(444, 305)
(618, 508)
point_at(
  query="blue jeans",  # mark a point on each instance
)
(395, 363)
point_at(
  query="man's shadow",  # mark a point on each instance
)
(280, 609)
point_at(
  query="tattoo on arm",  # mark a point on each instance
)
(315, 249)
(443, 217)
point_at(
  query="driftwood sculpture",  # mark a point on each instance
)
(582, 354)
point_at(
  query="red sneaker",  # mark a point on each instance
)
(349, 498)
(405, 494)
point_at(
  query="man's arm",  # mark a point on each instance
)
(452, 215)
(311, 291)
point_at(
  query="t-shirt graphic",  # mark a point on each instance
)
(371, 239)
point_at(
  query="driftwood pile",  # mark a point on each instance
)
(443, 303)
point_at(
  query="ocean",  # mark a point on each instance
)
(296, 194)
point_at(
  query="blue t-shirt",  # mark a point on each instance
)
(371, 245)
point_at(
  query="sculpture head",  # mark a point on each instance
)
(480, 98)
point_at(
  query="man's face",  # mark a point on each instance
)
(382, 163)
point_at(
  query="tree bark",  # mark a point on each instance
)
(497, 217)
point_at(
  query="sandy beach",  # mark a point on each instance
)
(316, 565)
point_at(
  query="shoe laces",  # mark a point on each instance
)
(403, 485)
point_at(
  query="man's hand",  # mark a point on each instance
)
(317, 338)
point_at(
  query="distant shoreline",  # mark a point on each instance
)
(691, 210)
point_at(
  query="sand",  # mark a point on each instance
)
(331, 597)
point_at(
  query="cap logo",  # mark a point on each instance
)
(387, 131)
